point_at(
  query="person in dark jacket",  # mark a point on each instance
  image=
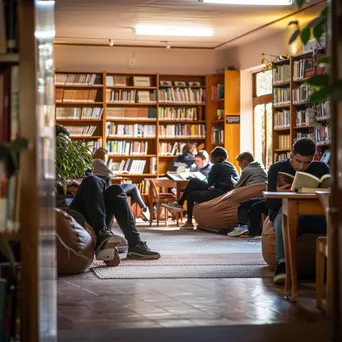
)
(219, 182)
(301, 159)
(202, 163)
(186, 160)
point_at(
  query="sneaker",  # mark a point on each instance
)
(106, 242)
(173, 206)
(238, 231)
(115, 261)
(141, 251)
(280, 274)
(187, 225)
(145, 213)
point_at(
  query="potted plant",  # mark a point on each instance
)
(72, 159)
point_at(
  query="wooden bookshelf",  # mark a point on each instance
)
(146, 99)
(297, 118)
(228, 104)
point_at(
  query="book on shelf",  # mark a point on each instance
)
(181, 130)
(78, 113)
(77, 79)
(182, 95)
(80, 131)
(114, 113)
(302, 181)
(75, 95)
(326, 157)
(281, 73)
(131, 130)
(185, 175)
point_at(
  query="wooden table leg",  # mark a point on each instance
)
(292, 222)
(287, 256)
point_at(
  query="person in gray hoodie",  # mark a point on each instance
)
(252, 171)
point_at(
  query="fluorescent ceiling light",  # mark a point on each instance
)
(251, 2)
(173, 31)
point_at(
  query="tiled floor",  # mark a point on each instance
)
(94, 306)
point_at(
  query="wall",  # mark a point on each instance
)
(146, 60)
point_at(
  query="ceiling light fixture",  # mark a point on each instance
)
(250, 2)
(172, 31)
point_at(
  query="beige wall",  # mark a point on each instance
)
(146, 60)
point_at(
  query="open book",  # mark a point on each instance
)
(185, 175)
(303, 182)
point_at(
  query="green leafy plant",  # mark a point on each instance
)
(72, 159)
(316, 28)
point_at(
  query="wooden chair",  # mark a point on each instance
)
(158, 195)
(322, 254)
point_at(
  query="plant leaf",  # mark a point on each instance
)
(319, 80)
(305, 35)
(318, 31)
(320, 96)
(324, 60)
(294, 36)
(314, 22)
(324, 12)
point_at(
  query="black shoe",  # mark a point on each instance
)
(280, 274)
(105, 244)
(141, 251)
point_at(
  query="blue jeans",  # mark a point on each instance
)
(306, 224)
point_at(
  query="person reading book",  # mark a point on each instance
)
(202, 163)
(186, 159)
(100, 168)
(219, 182)
(98, 205)
(301, 160)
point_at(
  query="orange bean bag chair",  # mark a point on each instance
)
(222, 212)
(306, 249)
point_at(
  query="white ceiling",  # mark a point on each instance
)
(95, 22)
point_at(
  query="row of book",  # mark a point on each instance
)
(122, 147)
(284, 141)
(171, 149)
(281, 96)
(323, 111)
(281, 119)
(217, 92)
(116, 81)
(78, 131)
(93, 144)
(77, 79)
(131, 96)
(79, 113)
(170, 113)
(217, 136)
(113, 113)
(305, 117)
(281, 73)
(136, 130)
(131, 166)
(301, 67)
(73, 95)
(181, 131)
(281, 156)
(182, 95)
(302, 94)
(320, 134)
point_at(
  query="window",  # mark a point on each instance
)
(262, 117)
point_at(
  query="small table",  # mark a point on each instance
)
(294, 205)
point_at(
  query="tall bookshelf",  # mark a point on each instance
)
(142, 116)
(223, 112)
(293, 116)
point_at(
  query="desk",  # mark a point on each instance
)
(294, 205)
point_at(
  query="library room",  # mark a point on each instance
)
(170, 170)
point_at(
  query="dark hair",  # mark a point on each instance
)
(189, 148)
(246, 156)
(61, 130)
(219, 153)
(305, 147)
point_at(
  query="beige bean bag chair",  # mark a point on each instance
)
(222, 212)
(306, 249)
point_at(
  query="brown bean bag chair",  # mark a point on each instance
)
(75, 246)
(222, 212)
(306, 249)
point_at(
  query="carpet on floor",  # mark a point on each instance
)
(191, 254)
